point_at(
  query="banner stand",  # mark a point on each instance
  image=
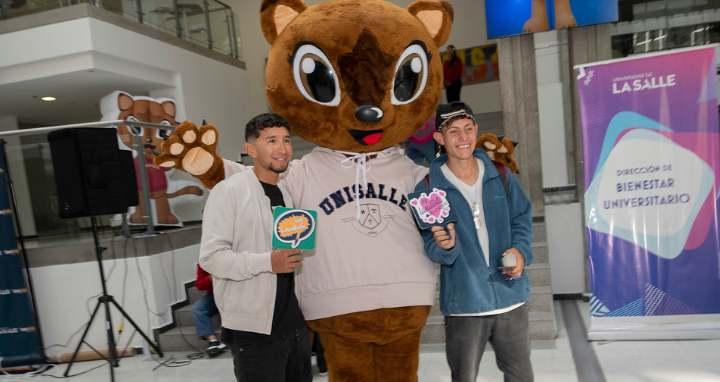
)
(651, 144)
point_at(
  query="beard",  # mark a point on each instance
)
(278, 169)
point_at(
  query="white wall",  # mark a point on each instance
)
(552, 96)
(254, 51)
(65, 295)
(26, 52)
(203, 88)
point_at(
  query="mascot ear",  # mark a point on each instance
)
(437, 16)
(509, 143)
(275, 15)
(124, 101)
(169, 108)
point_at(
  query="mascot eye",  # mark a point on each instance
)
(133, 129)
(410, 75)
(315, 77)
(164, 134)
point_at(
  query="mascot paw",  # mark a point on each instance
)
(190, 149)
(490, 143)
(499, 149)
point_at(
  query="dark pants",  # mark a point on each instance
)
(507, 332)
(452, 92)
(285, 359)
(319, 351)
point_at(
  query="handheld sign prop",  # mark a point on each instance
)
(431, 209)
(293, 228)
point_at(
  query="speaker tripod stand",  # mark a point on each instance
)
(106, 301)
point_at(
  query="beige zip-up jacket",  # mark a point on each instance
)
(235, 249)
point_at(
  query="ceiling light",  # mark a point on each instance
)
(48, 99)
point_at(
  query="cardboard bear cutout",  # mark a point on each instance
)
(167, 194)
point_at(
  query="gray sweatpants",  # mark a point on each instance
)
(509, 335)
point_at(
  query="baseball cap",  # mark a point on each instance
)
(450, 111)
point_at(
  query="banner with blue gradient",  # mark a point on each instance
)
(19, 336)
(512, 17)
(652, 171)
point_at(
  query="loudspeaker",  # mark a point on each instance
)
(92, 175)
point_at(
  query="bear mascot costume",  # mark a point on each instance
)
(357, 78)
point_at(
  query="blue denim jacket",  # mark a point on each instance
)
(467, 283)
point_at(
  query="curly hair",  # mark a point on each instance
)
(263, 121)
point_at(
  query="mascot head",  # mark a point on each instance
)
(121, 105)
(355, 75)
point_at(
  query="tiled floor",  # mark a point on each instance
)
(662, 361)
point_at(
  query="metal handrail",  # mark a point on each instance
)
(100, 124)
(140, 16)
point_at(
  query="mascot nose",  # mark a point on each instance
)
(369, 114)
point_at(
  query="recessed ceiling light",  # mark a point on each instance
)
(48, 99)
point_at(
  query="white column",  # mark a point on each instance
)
(520, 114)
(552, 97)
(563, 216)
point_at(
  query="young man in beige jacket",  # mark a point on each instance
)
(254, 285)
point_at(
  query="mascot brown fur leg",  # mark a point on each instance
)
(375, 346)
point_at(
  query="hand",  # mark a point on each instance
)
(516, 271)
(193, 149)
(444, 236)
(285, 260)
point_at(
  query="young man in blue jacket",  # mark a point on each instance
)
(482, 300)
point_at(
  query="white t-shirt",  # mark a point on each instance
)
(473, 196)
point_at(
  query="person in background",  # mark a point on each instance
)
(203, 311)
(452, 71)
